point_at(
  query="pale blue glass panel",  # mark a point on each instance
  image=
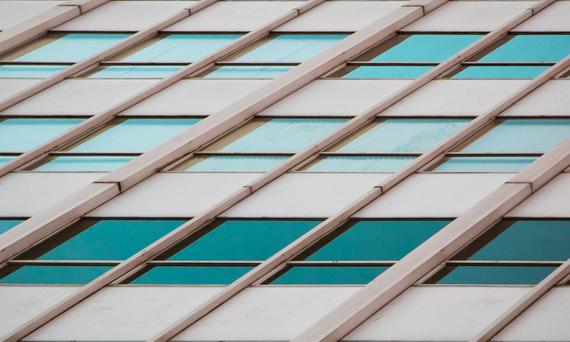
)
(5, 159)
(283, 135)
(5, 225)
(500, 71)
(136, 71)
(84, 164)
(495, 275)
(291, 48)
(484, 164)
(73, 47)
(404, 135)
(29, 71)
(388, 71)
(23, 134)
(329, 275)
(65, 275)
(531, 48)
(245, 71)
(182, 48)
(522, 135)
(427, 48)
(359, 164)
(204, 275)
(237, 164)
(135, 135)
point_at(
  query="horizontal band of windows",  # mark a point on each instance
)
(491, 275)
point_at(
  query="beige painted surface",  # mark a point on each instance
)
(550, 201)
(549, 100)
(9, 87)
(15, 12)
(552, 19)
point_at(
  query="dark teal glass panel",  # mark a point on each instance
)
(64, 275)
(106, 240)
(484, 164)
(244, 240)
(73, 47)
(500, 71)
(377, 240)
(329, 275)
(182, 48)
(541, 48)
(427, 48)
(197, 275)
(291, 48)
(6, 225)
(235, 164)
(495, 275)
(359, 164)
(23, 134)
(136, 71)
(134, 135)
(522, 135)
(83, 164)
(388, 71)
(267, 71)
(5, 159)
(29, 71)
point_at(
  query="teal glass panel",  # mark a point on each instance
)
(528, 240)
(134, 135)
(542, 48)
(23, 134)
(359, 164)
(502, 71)
(329, 275)
(291, 48)
(404, 135)
(83, 164)
(244, 240)
(182, 48)
(377, 240)
(236, 164)
(104, 240)
(267, 71)
(388, 71)
(136, 71)
(198, 275)
(64, 275)
(522, 135)
(484, 164)
(6, 225)
(427, 48)
(283, 135)
(5, 159)
(29, 71)
(495, 275)
(73, 47)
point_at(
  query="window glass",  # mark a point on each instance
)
(503, 71)
(83, 164)
(386, 71)
(531, 48)
(5, 159)
(23, 134)
(6, 225)
(231, 164)
(53, 274)
(136, 71)
(29, 71)
(359, 164)
(207, 275)
(322, 275)
(484, 164)
(243, 71)
(494, 275)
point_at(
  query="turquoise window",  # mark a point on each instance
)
(136, 71)
(484, 164)
(500, 71)
(23, 134)
(5, 159)
(522, 135)
(290, 48)
(329, 275)
(264, 71)
(232, 164)
(83, 164)
(73, 47)
(53, 274)
(359, 164)
(494, 275)
(6, 225)
(542, 48)
(388, 71)
(133, 135)
(29, 71)
(182, 48)
(205, 275)
(404, 135)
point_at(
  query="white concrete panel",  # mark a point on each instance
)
(469, 16)
(19, 304)
(125, 16)
(306, 195)
(26, 194)
(196, 97)
(553, 18)
(341, 16)
(267, 314)
(443, 313)
(553, 200)
(335, 97)
(434, 195)
(78, 97)
(124, 314)
(235, 16)
(13, 13)
(9, 87)
(174, 195)
(456, 97)
(550, 99)
(547, 320)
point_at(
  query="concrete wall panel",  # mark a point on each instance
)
(550, 201)
(9, 87)
(552, 19)
(13, 13)
(550, 99)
